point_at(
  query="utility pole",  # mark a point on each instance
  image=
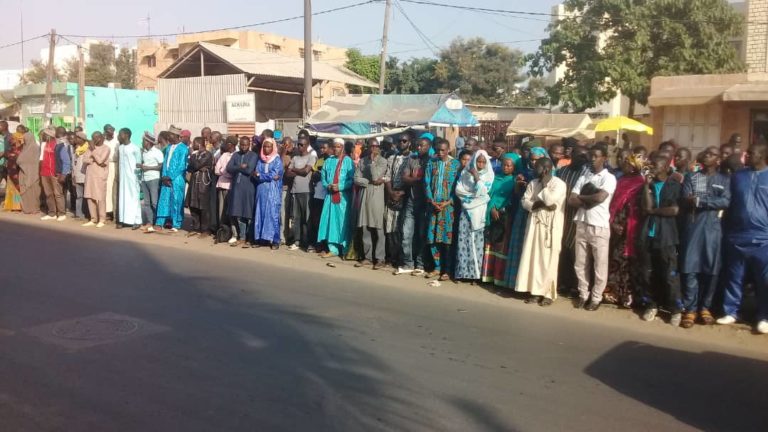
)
(307, 58)
(49, 79)
(81, 87)
(21, 18)
(384, 38)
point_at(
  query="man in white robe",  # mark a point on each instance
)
(110, 140)
(129, 213)
(545, 199)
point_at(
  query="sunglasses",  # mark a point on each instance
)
(404, 140)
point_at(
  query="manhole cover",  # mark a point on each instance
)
(95, 328)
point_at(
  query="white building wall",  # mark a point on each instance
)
(10, 78)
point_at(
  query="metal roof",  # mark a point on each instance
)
(280, 72)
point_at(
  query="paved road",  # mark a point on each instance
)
(111, 335)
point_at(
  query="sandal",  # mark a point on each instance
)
(430, 275)
(689, 319)
(532, 299)
(444, 277)
(706, 317)
(546, 302)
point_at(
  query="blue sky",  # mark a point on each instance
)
(359, 27)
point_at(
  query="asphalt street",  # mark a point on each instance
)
(109, 331)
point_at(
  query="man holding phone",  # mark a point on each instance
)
(592, 197)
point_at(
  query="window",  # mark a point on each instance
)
(301, 52)
(337, 91)
(151, 61)
(272, 48)
(316, 54)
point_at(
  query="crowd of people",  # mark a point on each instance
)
(650, 230)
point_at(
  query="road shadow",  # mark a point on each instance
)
(708, 390)
(231, 361)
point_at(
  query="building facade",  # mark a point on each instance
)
(704, 110)
(155, 56)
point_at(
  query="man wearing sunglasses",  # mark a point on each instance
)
(300, 169)
(396, 191)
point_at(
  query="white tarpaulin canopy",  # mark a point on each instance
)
(362, 116)
(554, 125)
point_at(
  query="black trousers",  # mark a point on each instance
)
(394, 251)
(200, 219)
(300, 207)
(315, 211)
(659, 278)
(567, 272)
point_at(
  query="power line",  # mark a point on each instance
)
(24, 41)
(431, 45)
(263, 23)
(480, 9)
(523, 14)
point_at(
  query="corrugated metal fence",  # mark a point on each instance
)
(199, 100)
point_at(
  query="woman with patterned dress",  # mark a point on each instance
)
(440, 178)
(269, 177)
(625, 225)
(473, 192)
(12, 195)
(499, 222)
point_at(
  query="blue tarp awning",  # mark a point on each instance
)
(363, 116)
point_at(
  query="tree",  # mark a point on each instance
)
(100, 69)
(38, 73)
(485, 73)
(125, 69)
(534, 94)
(71, 69)
(366, 66)
(416, 76)
(608, 46)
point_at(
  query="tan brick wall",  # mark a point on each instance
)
(164, 55)
(757, 36)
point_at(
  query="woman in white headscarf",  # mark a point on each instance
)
(473, 190)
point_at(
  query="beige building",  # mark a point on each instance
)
(155, 56)
(704, 110)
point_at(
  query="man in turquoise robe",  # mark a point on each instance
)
(170, 205)
(334, 221)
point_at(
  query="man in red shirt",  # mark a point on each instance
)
(54, 168)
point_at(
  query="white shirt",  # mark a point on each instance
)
(112, 144)
(152, 157)
(599, 215)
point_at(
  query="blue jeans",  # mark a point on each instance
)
(414, 234)
(244, 229)
(737, 263)
(79, 190)
(699, 291)
(150, 189)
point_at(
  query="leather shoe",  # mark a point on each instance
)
(578, 303)
(593, 306)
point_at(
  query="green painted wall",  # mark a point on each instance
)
(134, 109)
